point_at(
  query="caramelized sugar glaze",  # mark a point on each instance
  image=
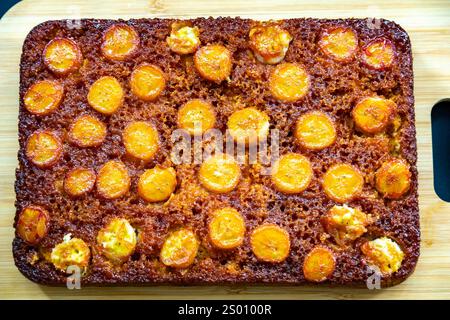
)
(332, 81)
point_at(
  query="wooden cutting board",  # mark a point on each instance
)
(428, 24)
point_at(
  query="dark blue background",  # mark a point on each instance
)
(440, 126)
(5, 5)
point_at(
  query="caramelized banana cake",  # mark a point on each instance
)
(98, 189)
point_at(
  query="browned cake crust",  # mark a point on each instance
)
(335, 88)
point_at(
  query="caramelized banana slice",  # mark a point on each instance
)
(292, 173)
(270, 243)
(157, 184)
(220, 173)
(249, 124)
(87, 131)
(269, 43)
(179, 249)
(147, 82)
(315, 130)
(289, 82)
(373, 114)
(183, 39)
(319, 264)
(120, 42)
(106, 95)
(43, 148)
(62, 56)
(43, 97)
(70, 252)
(33, 224)
(339, 43)
(196, 116)
(342, 182)
(227, 228)
(213, 62)
(345, 224)
(384, 253)
(393, 179)
(141, 140)
(113, 180)
(379, 54)
(79, 181)
(117, 240)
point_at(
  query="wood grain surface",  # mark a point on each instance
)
(428, 24)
